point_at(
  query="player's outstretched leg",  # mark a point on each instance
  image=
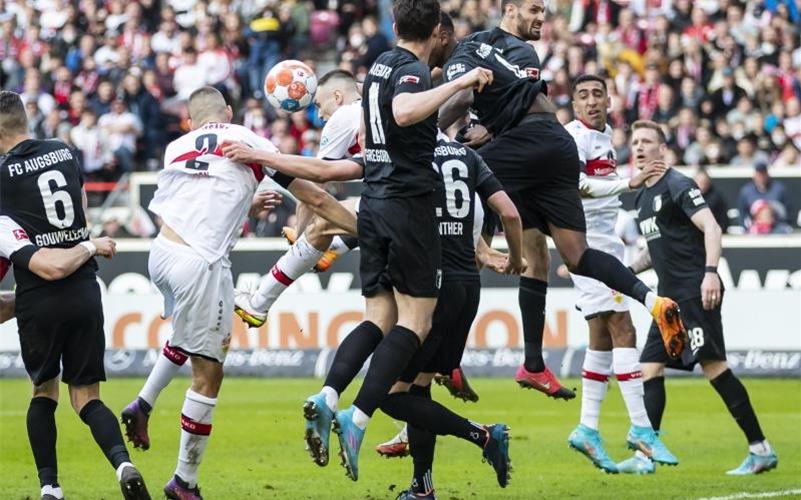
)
(107, 435)
(318, 409)
(457, 384)
(196, 416)
(607, 269)
(429, 415)
(340, 245)
(135, 416)
(252, 306)
(761, 456)
(585, 438)
(397, 446)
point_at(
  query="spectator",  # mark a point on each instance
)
(762, 187)
(35, 120)
(715, 201)
(121, 129)
(88, 139)
(142, 103)
(188, 77)
(101, 103)
(747, 154)
(792, 123)
(764, 220)
(728, 95)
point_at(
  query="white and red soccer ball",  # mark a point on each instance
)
(290, 86)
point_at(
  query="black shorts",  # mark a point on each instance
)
(442, 350)
(706, 338)
(537, 162)
(399, 246)
(63, 325)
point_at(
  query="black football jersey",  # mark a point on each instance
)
(464, 174)
(397, 159)
(40, 188)
(675, 244)
(516, 76)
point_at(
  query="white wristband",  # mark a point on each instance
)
(90, 247)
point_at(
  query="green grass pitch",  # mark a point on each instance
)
(256, 448)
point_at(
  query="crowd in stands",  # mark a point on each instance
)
(110, 76)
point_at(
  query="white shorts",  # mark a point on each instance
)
(595, 297)
(199, 296)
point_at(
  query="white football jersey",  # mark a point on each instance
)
(596, 152)
(202, 195)
(340, 136)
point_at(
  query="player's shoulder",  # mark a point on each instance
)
(347, 115)
(677, 181)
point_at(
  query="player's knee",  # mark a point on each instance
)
(652, 370)
(713, 369)
(47, 389)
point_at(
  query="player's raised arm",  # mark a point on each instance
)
(454, 108)
(323, 204)
(410, 107)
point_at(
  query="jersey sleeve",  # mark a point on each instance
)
(486, 182)
(411, 78)
(459, 63)
(15, 246)
(686, 194)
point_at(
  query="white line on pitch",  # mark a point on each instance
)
(766, 494)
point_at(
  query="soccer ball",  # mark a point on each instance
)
(290, 86)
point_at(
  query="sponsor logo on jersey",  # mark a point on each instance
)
(533, 73)
(408, 79)
(484, 50)
(20, 235)
(601, 166)
(696, 196)
(649, 229)
(455, 69)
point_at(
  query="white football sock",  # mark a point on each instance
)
(762, 448)
(121, 467)
(331, 397)
(338, 246)
(360, 419)
(52, 490)
(170, 360)
(594, 381)
(195, 430)
(298, 260)
(629, 378)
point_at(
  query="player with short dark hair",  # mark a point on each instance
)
(400, 250)
(59, 314)
(684, 246)
(613, 339)
(536, 160)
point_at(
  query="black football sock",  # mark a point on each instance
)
(654, 398)
(611, 272)
(733, 393)
(429, 415)
(350, 241)
(351, 355)
(531, 297)
(106, 431)
(421, 445)
(389, 359)
(41, 423)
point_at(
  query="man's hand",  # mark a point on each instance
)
(476, 136)
(490, 258)
(654, 169)
(476, 79)
(241, 153)
(515, 267)
(106, 247)
(710, 291)
(264, 200)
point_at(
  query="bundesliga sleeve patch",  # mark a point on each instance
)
(408, 79)
(20, 235)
